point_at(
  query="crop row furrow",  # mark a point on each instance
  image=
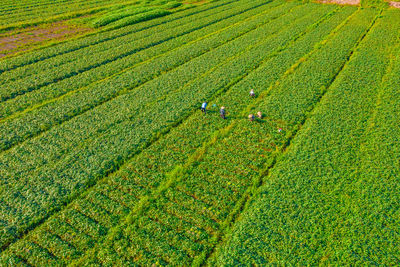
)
(94, 212)
(34, 254)
(324, 200)
(164, 202)
(131, 117)
(55, 245)
(18, 10)
(311, 59)
(45, 95)
(149, 226)
(119, 119)
(56, 13)
(94, 39)
(197, 174)
(195, 201)
(68, 233)
(314, 34)
(133, 188)
(124, 199)
(25, 5)
(93, 57)
(184, 74)
(191, 242)
(115, 47)
(183, 225)
(86, 224)
(87, 98)
(68, 184)
(108, 204)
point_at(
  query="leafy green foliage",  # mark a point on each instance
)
(244, 57)
(129, 20)
(316, 205)
(99, 37)
(52, 71)
(127, 171)
(117, 15)
(374, 3)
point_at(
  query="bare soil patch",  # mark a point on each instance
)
(394, 4)
(342, 2)
(15, 42)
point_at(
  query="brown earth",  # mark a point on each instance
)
(15, 42)
(342, 2)
(394, 4)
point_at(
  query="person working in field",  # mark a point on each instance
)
(222, 113)
(259, 115)
(251, 117)
(252, 94)
(203, 107)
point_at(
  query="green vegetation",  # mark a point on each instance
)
(324, 192)
(374, 3)
(134, 14)
(106, 159)
(21, 14)
(117, 15)
(129, 20)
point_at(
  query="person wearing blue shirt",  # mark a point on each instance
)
(203, 107)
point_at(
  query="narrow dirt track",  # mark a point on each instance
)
(394, 4)
(342, 2)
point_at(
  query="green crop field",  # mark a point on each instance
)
(107, 160)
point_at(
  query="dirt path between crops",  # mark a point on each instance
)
(341, 2)
(15, 42)
(394, 4)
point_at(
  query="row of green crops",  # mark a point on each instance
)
(134, 12)
(30, 5)
(118, 14)
(333, 197)
(145, 172)
(217, 56)
(279, 105)
(45, 53)
(179, 225)
(206, 192)
(151, 14)
(110, 138)
(51, 71)
(138, 60)
(24, 7)
(19, 15)
(214, 57)
(175, 198)
(142, 73)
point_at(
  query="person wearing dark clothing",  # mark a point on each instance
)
(222, 112)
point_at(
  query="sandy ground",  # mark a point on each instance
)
(12, 43)
(394, 4)
(342, 2)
